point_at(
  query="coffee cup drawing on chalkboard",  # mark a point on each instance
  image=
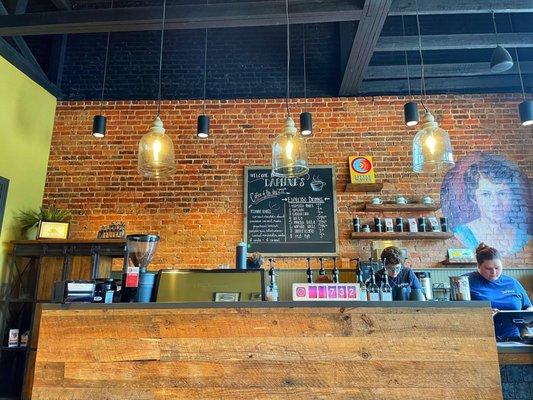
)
(317, 184)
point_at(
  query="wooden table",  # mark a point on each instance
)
(406, 350)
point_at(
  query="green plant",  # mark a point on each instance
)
(29, 219)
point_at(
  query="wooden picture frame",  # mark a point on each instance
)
(227, 296)
(53, 230)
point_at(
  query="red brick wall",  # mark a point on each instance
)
(198, 212)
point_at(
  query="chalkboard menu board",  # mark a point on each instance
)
(290, 216)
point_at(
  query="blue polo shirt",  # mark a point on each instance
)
(505, 293)
(405, 276)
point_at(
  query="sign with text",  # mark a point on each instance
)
(290, 216)
(361, 169)
(324, 292)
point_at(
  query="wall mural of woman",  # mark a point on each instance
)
(486, 199)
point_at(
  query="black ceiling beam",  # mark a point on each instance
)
(443, 85)
(431, 7)
(368, 31)
(62, 4)
(27, 68)
(440, 70)
(459, 41)
(220, 15)
(20, 7)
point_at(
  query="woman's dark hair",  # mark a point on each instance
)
(496, 169)
(391, 255)
(486, 253)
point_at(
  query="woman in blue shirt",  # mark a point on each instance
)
(503, 292)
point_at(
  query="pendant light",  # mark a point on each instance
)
(289, 152)
(525, 108)
(410, 109)
(156, 150)
(432, 149)
(306, 119)
(202, 126)
(501, 59)
(100, 121)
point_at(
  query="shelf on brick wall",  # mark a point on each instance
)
(400, 207)
(402, 235)
(363, 187)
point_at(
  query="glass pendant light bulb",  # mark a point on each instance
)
(289, 153)
(156, 153)
(432, 149)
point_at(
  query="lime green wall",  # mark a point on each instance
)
(27, 116)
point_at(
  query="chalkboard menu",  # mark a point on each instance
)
(290, 216)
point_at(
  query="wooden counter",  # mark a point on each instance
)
(267, 351)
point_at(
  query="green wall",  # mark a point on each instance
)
(27, 118)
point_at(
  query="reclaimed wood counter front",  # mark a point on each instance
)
(407, 350)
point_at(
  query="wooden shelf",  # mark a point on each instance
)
(402, 235)
(458, 264)
(401, 207)
(363, 187)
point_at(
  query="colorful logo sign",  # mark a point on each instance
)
(361, 169)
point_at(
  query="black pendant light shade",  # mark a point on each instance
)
(202, 129)
(501, 60)
(410, 113)
(306, 123)
(525, 109)
(99, 123)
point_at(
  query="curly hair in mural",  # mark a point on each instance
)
(486, 199)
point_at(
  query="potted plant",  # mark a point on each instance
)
(31, 220)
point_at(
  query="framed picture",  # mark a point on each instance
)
(53, 230)
(4, 185)
(227, 296)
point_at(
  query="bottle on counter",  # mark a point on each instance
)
(373, 289)
(321, 271)
(241, 255)
(272, 288)
(335, 272)
(309, 271)
(362, 295)
(385, 290)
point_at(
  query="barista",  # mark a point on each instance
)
(398, 274)
(504, 292)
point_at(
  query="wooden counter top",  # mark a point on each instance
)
(267, 352)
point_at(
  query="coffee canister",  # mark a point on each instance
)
(459, 288)
(378, 224)
(399, 224)
(357, 224)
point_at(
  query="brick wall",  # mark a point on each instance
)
(242, 62)
(198, 212)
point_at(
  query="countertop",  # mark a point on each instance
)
(268, 304)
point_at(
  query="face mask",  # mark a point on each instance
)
(394, 269)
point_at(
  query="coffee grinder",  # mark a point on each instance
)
(137, 283)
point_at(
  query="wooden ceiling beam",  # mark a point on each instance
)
(444, 85)
(368, 31)
(440, 70)
(459, 41)
(431, 7)
(219, 15)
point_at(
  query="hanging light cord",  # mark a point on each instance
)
(288, 55)
(205, 64)
(161, 57)
(305, 72)
(105, 68)
(495, 29)
(406, 60)
(518, 62)
(422, 81)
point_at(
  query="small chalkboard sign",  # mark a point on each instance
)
(291, 216)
